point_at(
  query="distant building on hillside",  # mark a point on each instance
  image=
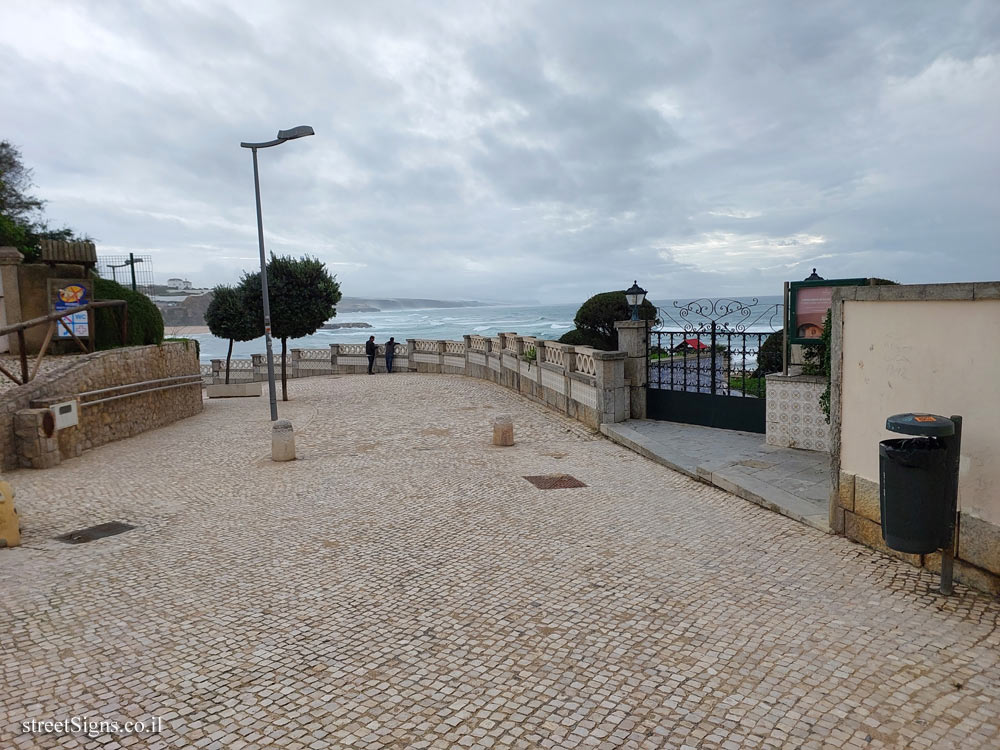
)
(178, 284)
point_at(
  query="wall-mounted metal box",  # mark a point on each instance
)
(66, 414)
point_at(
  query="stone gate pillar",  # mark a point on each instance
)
(10, 295)
(632, 340)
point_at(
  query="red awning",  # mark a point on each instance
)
(694, 344)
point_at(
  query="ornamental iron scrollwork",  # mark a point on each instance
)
(711, 346)
(727, 315)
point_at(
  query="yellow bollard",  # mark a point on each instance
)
(10, 528)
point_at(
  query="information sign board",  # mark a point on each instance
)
(66, 294)
(808, 303)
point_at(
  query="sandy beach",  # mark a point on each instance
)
(184, 330)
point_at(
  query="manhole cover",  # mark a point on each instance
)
(95, 532)
(555, 482)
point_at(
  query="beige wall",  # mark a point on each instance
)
(941, 357)
(33, 291)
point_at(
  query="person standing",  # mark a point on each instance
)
(371, 349)
(390, 352)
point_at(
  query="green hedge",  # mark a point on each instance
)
(145, 324)
(576, 337)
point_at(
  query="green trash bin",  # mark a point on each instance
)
(915, 482)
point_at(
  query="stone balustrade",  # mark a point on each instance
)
(585, 363)
(581, 382)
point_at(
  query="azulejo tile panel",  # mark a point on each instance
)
(794, 417)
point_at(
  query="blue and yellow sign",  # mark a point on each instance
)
(68, 297)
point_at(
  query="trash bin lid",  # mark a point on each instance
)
(920, 424)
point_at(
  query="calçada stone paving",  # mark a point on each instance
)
(401, 585)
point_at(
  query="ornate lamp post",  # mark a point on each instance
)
(283, 135)
(635, 295)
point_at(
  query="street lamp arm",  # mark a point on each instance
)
(300, 131)
(267, 144)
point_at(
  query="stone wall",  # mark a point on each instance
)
(919, 348)
(33, 294)
(587, 385)
(10, 297)
(794, 417)
(582, 383)
(304, 363)
(977, 554)
(119, 393)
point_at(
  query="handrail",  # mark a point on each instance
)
(14, 327)
(139, 382)
(52, 319)
(137, 393)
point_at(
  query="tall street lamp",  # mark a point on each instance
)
(283, 135)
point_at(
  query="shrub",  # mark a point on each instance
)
(595, 320)
(145, 324)
(230, 317)
(824, 397)
(769, 357)
(303, 296)
(576, 337)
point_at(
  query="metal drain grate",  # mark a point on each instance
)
(95, 532)
(555, 482)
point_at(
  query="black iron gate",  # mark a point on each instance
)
(705, 365)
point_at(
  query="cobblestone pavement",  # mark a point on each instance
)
(793, 482)
(403, 586)
(12, 363)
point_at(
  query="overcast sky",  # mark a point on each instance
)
(517, 151)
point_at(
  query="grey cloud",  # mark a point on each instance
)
(522, 150)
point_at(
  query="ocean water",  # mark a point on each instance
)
(541, 321)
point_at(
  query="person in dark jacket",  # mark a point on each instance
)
(371, 349)
(390, 352)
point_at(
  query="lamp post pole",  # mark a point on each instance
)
(271, 390)
(283, 135)
(132, 261)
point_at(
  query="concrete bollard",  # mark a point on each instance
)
(10, 527)
(503, 430)
(282, 441)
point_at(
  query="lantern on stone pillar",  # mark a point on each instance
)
(635, 297)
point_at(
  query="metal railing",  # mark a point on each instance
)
(723, 363)
(188, 380)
